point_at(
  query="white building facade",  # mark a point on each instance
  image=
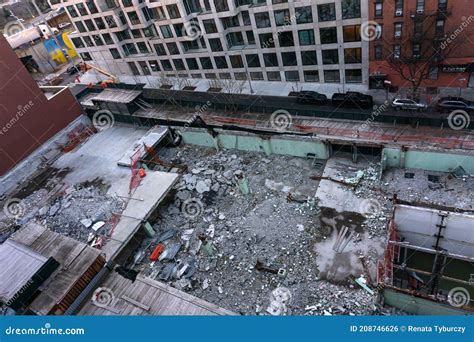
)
(314, 41)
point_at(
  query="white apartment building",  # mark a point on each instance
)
(264, 40)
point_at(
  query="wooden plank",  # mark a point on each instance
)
(136, 303)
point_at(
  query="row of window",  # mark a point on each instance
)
(329, 57)
(266, 40)
(399, 7)
(330, 76)
(303, 15)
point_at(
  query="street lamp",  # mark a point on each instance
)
(246, 68)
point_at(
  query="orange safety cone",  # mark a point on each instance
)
(141, 172)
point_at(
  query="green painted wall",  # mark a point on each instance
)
(297, 148)
(430, 161)
(419, 306)
(438, 161)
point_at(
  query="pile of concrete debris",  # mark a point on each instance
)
(239, 232)
(80, 212)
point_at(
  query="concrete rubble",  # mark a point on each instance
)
(224, 231)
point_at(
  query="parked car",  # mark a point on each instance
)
(408, 104)
(74, 69)
(447, 104)
(352, 99)
(314, 97)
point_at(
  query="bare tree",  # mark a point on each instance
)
(415, 58)
(230, 89)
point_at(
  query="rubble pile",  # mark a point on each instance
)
(239, 226)
(81, 213)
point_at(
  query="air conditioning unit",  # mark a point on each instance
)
(398, 34)
(416, 56)
(420, 11)
(398, 12)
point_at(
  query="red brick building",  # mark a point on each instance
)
(422, 44)
(29, 115)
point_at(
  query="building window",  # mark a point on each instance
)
(350, 9)
(160, 50)
(274, 76)
(353, 75)
(235, 39)
(352, 55)
(351, 33)
(331, 76)
(134, 68)
(416, 51)
(420, 6)
(178, 64)
(236, 61)
(221, 62)
(100, 23)
(292, 76)
(90, 25)
(306, 37)
(144, 67)
(215, 44)
(82, 9)
(304, 15)
(286, 39)
(206, 63)
(397, 50)
(309, 58)
(86, 56)
(253, 61)
(210, 26)
(192, 63)
(311, 75)
(378, 10)
(398, 8)
(256, 76)
(282, 17)
(418, 28)
(328, 35)
(433, 73)
(250, 37)
(154, 66)
(172, 48)
(142, 47)
(173, 11)
(442, 5)
(270, 59)
(266, 40)
(330, 56)
(72, 11)
(78, 43)
(439, 31)
(327, 12)
(221, 5)
(262, 20)
(80, 26)
(166, 31)
(166, 65)
(397, 30)
(378, 54)
(289, 59)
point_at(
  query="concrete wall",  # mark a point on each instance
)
(430, 161)
(27, 117)
(244, 142)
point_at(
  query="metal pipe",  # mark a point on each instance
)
(432, 251)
